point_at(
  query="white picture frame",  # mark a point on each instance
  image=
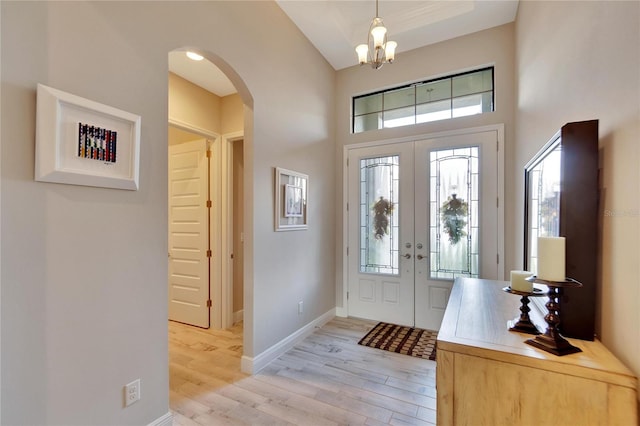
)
(291, 200)
(82, 142)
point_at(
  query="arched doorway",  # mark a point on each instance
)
(229, 173)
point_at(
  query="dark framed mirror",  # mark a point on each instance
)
(561, 200)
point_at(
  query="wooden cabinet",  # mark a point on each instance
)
(487, 375)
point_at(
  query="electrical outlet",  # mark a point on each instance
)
(300, 307)
(132, 392)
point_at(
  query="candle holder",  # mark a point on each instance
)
(551, 341)
(524, 324)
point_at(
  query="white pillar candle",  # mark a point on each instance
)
(551, 265)
(519, 283)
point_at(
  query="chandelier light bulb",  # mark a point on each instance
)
(378, 33)
(390, 50)
(362, 50)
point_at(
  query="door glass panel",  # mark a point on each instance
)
(454, 207)
(379, 204)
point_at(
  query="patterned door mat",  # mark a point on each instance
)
(403, 340)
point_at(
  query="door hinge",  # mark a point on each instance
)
(498, 258)
(209, 303)
(347, 251)
(209, 253)
(209, 203)
(497, 145)
(347, 295)
(347, 206)
(232, 255)
(208, 153)
(497, 202)
(347, 162)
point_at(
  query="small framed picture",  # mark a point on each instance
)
(82, 142)
(291, 200)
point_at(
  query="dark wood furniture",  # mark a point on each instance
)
(578, 222)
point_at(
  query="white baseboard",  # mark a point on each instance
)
(166, 420)
(253, 365)
(342, 312)
(238, 316)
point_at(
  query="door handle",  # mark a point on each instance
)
(407, 256)
(420, 257)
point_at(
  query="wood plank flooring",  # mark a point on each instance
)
(327, 379)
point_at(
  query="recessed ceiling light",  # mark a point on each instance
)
(194, 56)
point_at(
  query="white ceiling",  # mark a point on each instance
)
(202, 73)
(335, 27)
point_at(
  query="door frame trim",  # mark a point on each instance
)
(498, 128)
(226, 204)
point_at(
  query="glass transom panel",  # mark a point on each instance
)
(439, 99)
(454, 213)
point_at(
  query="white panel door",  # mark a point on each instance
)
(454, 174)
(442, 225)
(189, 233)
(381, 235)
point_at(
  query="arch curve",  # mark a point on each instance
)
(227, 69)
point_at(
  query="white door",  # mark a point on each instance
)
(381, 277)
(456, 218)
(189, 233)
(443, 225)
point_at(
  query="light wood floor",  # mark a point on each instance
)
(327, 379)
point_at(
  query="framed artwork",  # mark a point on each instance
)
(291, 200)
(82, 142)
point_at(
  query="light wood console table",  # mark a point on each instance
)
(487, 375)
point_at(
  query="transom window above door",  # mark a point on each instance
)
(447, 97)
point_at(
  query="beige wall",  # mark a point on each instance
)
(580, 61)
(177, 136)
(84, 270)
(193, 105)
(231, 119)
(490, 47)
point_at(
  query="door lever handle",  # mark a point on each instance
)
(420, 257)
(407, 256)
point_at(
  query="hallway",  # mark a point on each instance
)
(327, 379)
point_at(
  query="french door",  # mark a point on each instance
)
(420, 214)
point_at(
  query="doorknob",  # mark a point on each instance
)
(420, 257)
(407, 256)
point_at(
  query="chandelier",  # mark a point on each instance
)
(378, 50)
